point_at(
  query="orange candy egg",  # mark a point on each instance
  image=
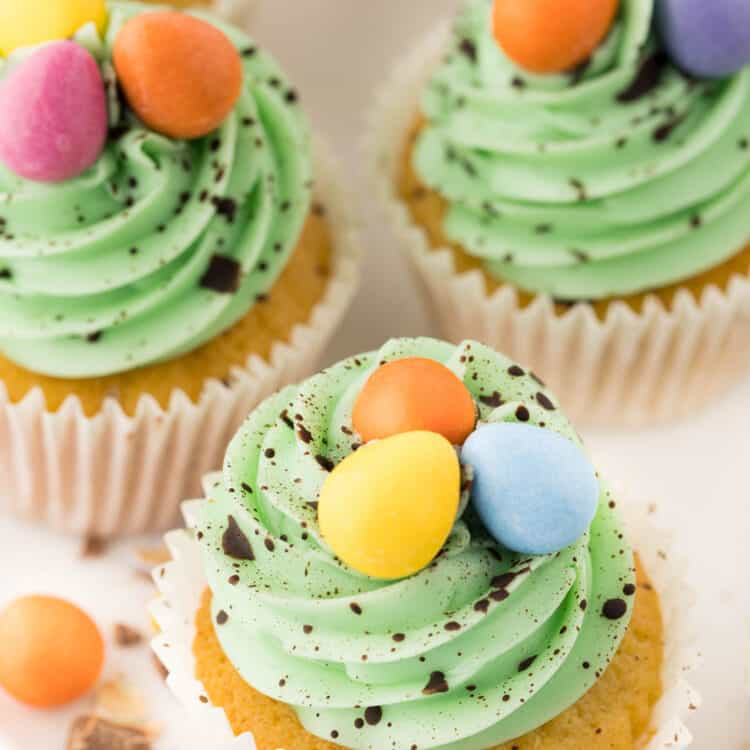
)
(51, 652)
(414, 394)
(180, 75)
(552, 36)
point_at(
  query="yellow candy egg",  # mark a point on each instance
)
(34, 21)
(387, 509)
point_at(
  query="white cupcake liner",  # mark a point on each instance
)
(113, 474)
(182, 583)
(630, 369)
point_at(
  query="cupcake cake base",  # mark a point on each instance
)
(611, 716)
(636, 361)
(646, 683)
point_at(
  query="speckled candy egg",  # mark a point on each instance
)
(51, 652)
(707, 38)
(54, 123)
(531, 39)
(27, 22)
(414, 394)
(535, 491)
(181, 76)
(387, 509)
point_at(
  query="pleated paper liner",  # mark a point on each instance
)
(181, 584)
(630, 368)
(112, 474)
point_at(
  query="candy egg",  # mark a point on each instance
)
(414, 394)
(387, 509)
(54, 123)
(707, 38)
(51, 652)
(535, 491)
(35, 21)
(552, 36)
(181, 76)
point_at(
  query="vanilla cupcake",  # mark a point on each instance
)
(579, 201)
(184, 257)
(356, 579)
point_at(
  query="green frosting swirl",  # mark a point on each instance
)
(162, 244)
(480, 647)
(620, 177)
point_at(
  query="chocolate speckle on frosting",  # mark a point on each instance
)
(222, 275)
(234, 542)
(436, 684)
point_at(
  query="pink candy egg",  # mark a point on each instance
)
(53, 114)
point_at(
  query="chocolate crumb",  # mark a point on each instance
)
(355, 608)
(526, 663)
(95, 733)
(222, 617)
(493, 401)
(614, 609)
(545, 402)
(234, 542)
(373, 715)
(93, 546)
(127, 636)
(436, 684)
(226, 207)
(468, 48)
(325, 462)
(222, 275)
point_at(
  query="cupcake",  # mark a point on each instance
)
(580, 199)
(171, 253)
(412, 550)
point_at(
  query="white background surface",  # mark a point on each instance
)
(337, 51)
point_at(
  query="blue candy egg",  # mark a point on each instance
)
(535, 491)
(707, 38)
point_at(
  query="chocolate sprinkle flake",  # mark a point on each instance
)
(663, 132)
(628, 589)
(468, 48)
(516, 371)
(222, 275)
(373, 715)
(235, 544)
(436, 684)
(494, 400)
(304, 434)
(92, 338)
(579, 187)
(222, 617)
(359, 723)
(399, 637)
(226, 207)
(307, 629)
(647, 78)
(614, 609)
(482, 605)
(270, 546)
(526, 663)
(452, 626)
(234, 580)
(354, 607)
(325, 462)
(522, 414)
(6, 273)
(545, 402)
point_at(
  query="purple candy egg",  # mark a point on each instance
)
(53, 114)
(706, 38)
